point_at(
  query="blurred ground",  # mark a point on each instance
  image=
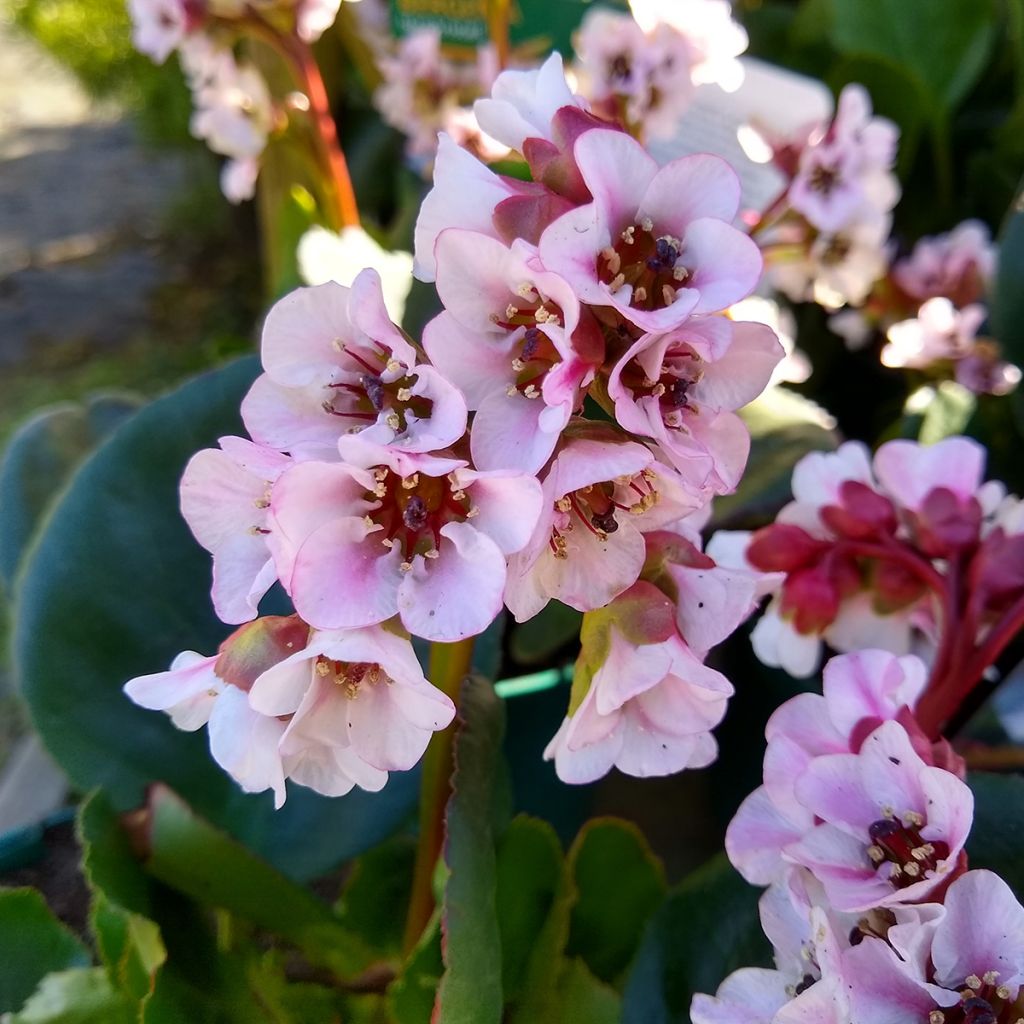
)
(121, 267)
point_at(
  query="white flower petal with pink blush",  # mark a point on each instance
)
(650, 702)
(957, 265)
(522, 103)
(464, 195)
(909, 471)
(187, 691)
(587, 546)
(314, 17)
(386, 532)
(363, 693)
(225, 494)
(656, 243)
(892, 826)
(335, 364)
(751, 995)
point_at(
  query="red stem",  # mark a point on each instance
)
(895, 552)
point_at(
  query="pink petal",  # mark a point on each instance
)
(292, 419)
(618, 171)
(724, 263)
(187, 691)
(689, 188)
(742, 372)
(508, 506)
(908, 471)
(476, 363)
(457, 594)
(756, 836)
(511, 432)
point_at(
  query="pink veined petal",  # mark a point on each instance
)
(908, 470)
(727, 440)
(724, 263)
(218, 497)
(570, 246)
(806, 720)
(583, 462)
(742, 372)
(711, 603)
(369, 314)
(464, 195)
(784, 762)
(339, 579)
(858, 625)
(883, 993)
(679, 706)
(577, 766)
(691, 187)
(757, 835)
(525, 592)
(511, 432)
(950, 808)
(656, 321)
(457, 594)
(618, 171)
(242, 573)
(832, 787)
(628, 671)
(381, 734)
(307, 497)
(300, 331)
(292, 419)
(983, 931)
(318, 768)
(647, 753)
(508, 505)
(594, 571)
(476, 363)
(870, 684)
(244, 743)
(818, 476)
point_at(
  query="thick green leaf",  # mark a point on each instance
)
(619, 884)
(706, 928)
(784, 427)
(944, 43)
(115, 588)
(580, 998)
(536, 640)
(32, 944)
(997, 835)
(38, 461)
(530, 870)
(83, 996)
(1006, 316)
(471, 991)
(191, 856)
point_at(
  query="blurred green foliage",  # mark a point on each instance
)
(93, 39)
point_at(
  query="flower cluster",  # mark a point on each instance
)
(407, 489)
(910, 550)
(859, 834)
(234, 112)
(425, 92)
(931, 308)
(825, 237)
(642, 68)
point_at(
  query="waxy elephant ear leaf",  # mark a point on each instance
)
(115, 588)
(38, 461)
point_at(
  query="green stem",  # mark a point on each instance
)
(449, 666)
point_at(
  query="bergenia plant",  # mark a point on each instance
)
(571, 464)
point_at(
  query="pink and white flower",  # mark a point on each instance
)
(587, 546)
(681, 388)
(357, 706)
(887, 827)
(643, 701)
(966, 962)
(957, 265)
(860, 691)
(158, 26)
(335, 365)
(225, 495)
(656, 244)
(213, 691)
(385, 532)
(511, 340)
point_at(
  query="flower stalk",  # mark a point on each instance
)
(449, 666)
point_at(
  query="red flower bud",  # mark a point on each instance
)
(783, 548)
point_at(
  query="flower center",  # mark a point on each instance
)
(823, 178)
(596, 506)
(982, 1001)
(649, 263)
(384, 388)
(899, 843)
(349, 675)
(535, 355)
(680, 371)
(411, 511)
(836, 250)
